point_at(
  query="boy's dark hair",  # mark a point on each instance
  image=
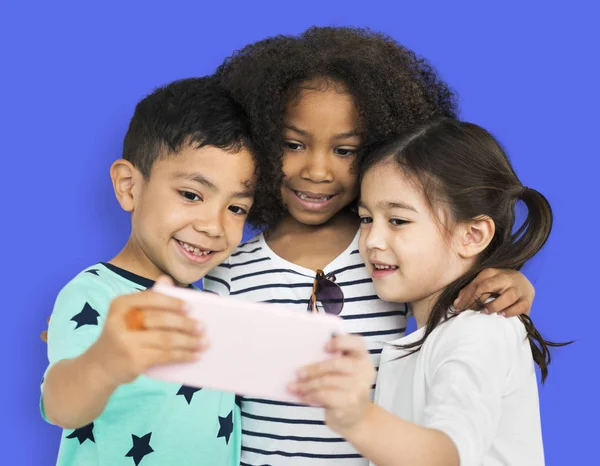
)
(393, 88)
(195, 111)
(462, 167)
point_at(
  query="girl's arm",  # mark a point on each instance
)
(342, 385)
(466, 373)
(388, 440)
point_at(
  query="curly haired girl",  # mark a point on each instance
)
(317, 102)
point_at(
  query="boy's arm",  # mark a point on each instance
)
(88, 366)
(74, 379)
(77, 390)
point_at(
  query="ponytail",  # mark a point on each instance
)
(507, 251)
(464, 165)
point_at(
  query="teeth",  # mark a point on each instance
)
(193, 250)
(304, 197)
(384, 267)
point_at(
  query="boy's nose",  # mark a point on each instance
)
(211, 226)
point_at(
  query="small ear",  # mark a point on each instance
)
(475, 236)
(125, 178)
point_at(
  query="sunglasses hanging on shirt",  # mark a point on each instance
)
(326, 292)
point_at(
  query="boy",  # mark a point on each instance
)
(187, 177)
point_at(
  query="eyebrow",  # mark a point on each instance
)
(348, 135)
(390, 205)
(202, 180)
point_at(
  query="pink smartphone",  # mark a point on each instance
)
(254, 349)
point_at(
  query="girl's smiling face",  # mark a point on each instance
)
(408, 249)
(321, 140)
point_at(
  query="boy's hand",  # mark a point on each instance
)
(341, 385)
(514, 293)
(168, 336)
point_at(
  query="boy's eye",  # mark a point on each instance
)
(398, 222)
(293, 145)
(344, 151)
(189, 196)
(238, 210)
(365, 220)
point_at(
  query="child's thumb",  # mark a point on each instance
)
(164, 280)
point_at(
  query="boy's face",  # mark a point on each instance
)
(189, 215)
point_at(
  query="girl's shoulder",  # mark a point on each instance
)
(475, 330)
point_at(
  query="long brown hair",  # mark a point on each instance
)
(464, 165)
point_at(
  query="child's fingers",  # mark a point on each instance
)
(165, 320)
(171, 341)
(522, 306)
(480, 289)
(329, 382)
(326, 398)
(506, 299)
(164, 280)
(158, 357)
(350, 345)
(44, 334)
(338, 365)
(148, 300)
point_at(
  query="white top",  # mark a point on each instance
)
(473, 379)
(275, 433)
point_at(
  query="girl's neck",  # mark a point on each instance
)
(342, 221)
(313, 246)
(422, 308)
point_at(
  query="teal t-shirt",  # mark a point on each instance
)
(146, 422)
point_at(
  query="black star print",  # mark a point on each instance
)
(84, 433)
(92, 271)
(226, 427)
(87, 316)
(141, 447)
(188, 392)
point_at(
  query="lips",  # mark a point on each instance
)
(378, 266)
(313, 197)
(381, 269)
(193, 249)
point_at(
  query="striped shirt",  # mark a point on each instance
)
(276, 433)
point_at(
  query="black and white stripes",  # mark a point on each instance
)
(275, 433)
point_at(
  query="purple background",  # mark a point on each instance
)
(72, 73)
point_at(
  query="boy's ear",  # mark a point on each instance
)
(125, 179)
(475, 236)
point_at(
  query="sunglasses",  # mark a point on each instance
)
(326, 292)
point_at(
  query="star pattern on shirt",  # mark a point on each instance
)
(83, 433)
(226, 427)
(188, 392)
(141, 447)
(87, 316)
(93, 272)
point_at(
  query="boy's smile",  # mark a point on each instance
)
(189, 215)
